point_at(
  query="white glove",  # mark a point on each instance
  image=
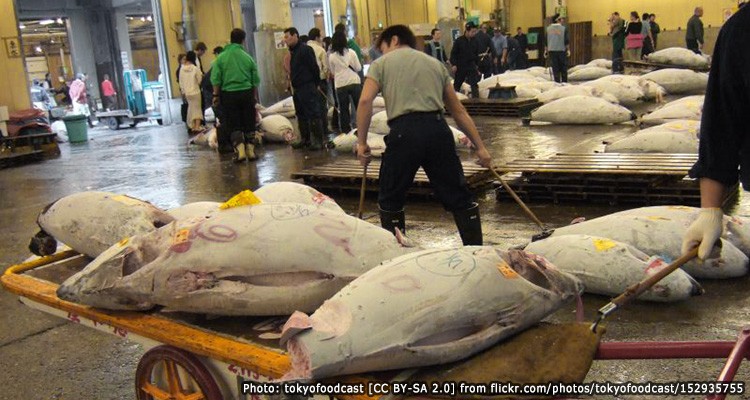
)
(705, 230)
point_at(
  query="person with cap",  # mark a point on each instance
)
(306, 93)
(235, 80)
(558, 48)
(523, 42)
(417, 89)
(724, 151)
(464, 60)
(514, 53)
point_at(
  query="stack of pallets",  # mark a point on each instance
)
(346, 175)
(500, 108)
(21, 149)
(644, 179)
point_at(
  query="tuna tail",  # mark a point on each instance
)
(696, 289)
(42, 244)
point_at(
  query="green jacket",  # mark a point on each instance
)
(234, 70)
(352, 44)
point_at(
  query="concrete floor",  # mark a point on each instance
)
(44, 357)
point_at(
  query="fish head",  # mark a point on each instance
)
(100, 283)
(540, 272)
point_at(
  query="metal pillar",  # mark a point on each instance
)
(272, 17)
(448, 22)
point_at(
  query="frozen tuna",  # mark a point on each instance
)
(679, 81)
(231, 263)
(574, 90)
(582, 110)
(608, 267)
(661, 236)
(626, 89)
(292, 192)
(193, 210)
(589, 73)
(679, 56)
(672, 137)
(686, 108)
(429, 307)
(284, 107)
(277, 129)
(91, 222)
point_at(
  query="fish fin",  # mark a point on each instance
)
(296, 323)
(403, 240)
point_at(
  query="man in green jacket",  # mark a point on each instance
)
(617, 31)
(235, 80)
(694, 31)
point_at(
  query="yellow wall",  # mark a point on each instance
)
(15, 93)
(524, 13)
(670, 14)
(213, 23)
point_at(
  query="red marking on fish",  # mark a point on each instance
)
(402, 283)
(330, 233)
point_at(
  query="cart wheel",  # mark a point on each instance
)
(166, 372)
(113, 123)
(160, 121)
(133, 124)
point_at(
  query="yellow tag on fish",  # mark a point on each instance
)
(243, 198)
(603, 244)
(126, 200)
(181, 236)
(506, 270)
(123, 242)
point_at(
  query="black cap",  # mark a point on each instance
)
(555, 17)
(471, 25)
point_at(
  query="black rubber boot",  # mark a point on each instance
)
(469, 225)
(316, 134)
(390, 220)
(304, 135)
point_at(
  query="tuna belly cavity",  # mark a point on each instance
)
(301, 278)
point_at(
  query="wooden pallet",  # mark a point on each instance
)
(656, 66)
(500, 108)
(17, 150)
(649, 179)
(346, 175)
(11, 159)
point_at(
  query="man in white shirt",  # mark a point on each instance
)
(315, 40)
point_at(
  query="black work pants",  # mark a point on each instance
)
(307, 100)
(238, 110)
(692, 44)
(559, 65)
(471, 76)
(617, 66)
(422, 139)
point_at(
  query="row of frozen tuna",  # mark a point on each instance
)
(297, 250)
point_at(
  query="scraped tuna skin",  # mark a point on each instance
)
(608, 267)
(658, 231)
(266, 259)
(425, 308)
(91, 222)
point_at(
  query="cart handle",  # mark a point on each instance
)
(39, 262)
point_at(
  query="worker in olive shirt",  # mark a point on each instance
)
(724, 152)
(416, 87)
(306, 92)
(235, 78)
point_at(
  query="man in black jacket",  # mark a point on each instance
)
(464, 60)
(305, 77)
(486, 52)
(523, 43)
(724, 153)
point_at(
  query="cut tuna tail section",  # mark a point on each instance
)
(43, 244)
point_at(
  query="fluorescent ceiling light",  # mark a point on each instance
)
(143, 19)
(59, 20)
(22, 26)
(38, 49)
(46, 22)
(149, 18)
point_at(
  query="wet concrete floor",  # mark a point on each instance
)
(47, 358)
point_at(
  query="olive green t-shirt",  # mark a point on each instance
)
(411, 81)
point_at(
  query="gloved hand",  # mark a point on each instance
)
(706, 230)
(567, 53)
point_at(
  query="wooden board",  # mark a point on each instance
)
(606, 163)
(347, 175)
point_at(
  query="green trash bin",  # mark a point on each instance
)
(77, 126)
